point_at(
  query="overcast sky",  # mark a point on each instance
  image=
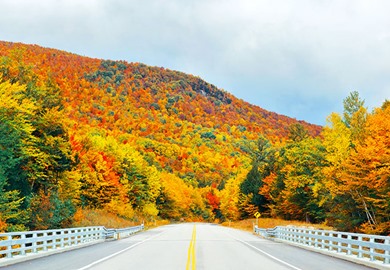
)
(299, 58)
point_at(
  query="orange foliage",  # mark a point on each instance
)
(188, 130)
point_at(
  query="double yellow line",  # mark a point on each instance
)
(191, 259)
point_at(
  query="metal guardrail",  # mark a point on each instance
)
(23, 244)
(374, 248)
(125, 232)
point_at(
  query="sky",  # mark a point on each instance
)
(298, 58)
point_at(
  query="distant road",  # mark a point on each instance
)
(190, 246)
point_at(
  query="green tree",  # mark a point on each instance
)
(342, 210)
(48, 211)
(355, 115)
(344, 179)
(385, 104)
(12, 216)
(15, 135)
(297, 132)
(34, 147)
(250, 200)
(300, 167)
(352, 105)
(366, 173)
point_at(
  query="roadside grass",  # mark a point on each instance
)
(156, 223)
(101, 217)
(266, 223)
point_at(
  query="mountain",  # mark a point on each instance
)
(130, 138)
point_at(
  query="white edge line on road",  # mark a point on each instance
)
(119, 252)
(265, 253)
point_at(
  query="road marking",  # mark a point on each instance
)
(265, 253)
(191, 259)
(119, 252)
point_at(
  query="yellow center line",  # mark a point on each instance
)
(191, 259)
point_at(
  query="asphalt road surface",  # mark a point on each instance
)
(189, 246)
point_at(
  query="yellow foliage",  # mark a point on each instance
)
(150, 210)
(121, 208)
(229, 196)
(69, 185)
(177, 190)
(16, 106)
(337, 140)
(78, 216)
(13, 100)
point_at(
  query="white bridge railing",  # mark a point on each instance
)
(365, 247)
(17, 246)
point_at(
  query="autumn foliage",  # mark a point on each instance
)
(81, 135)
(341, 177)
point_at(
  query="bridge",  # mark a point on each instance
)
(188, 246)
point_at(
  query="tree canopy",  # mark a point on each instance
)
(144, 142)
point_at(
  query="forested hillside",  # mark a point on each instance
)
(144, 142)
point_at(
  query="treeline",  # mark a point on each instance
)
(142, 142)
(341, 177)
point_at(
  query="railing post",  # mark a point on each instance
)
(62, 238)
(69, 233)
(349, 251)
(372, 258)
(34, 243)
(300, 236)
(330, 242)
(45, 241)
(323, 240)
(101, 233)
(387, 252)
(360, 253)
(281, 232)
(9, 247)
(339, 244)
(308, 237)
(97, 235)
(23, 245)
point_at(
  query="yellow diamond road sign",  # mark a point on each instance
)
(257, 215)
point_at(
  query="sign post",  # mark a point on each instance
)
(257, 215)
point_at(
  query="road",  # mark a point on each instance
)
(189, 246)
